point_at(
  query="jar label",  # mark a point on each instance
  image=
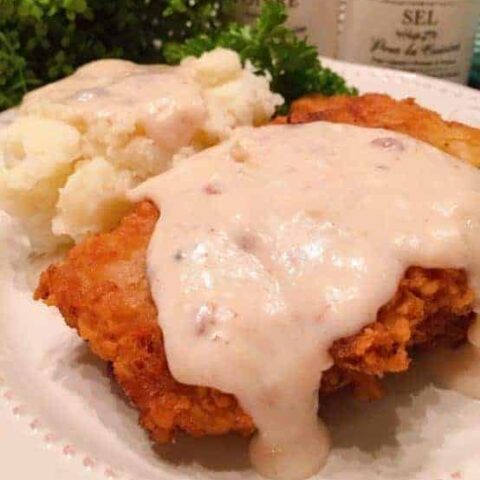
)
(433, 37)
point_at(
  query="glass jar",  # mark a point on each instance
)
(434, 37)
(315, 19)
(475, 72)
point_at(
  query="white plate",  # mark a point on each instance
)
(62, 418)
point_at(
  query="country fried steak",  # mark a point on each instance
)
(101, 289)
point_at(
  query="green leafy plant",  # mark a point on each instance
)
(43, 40)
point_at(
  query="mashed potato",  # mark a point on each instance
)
(79, 144)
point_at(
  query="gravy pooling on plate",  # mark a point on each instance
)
(284, 239)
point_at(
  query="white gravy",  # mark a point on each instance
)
(284, 239)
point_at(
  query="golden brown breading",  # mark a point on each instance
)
(382, 111)
(102, 290)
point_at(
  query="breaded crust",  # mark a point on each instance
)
(381, 111)
(102, 291)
